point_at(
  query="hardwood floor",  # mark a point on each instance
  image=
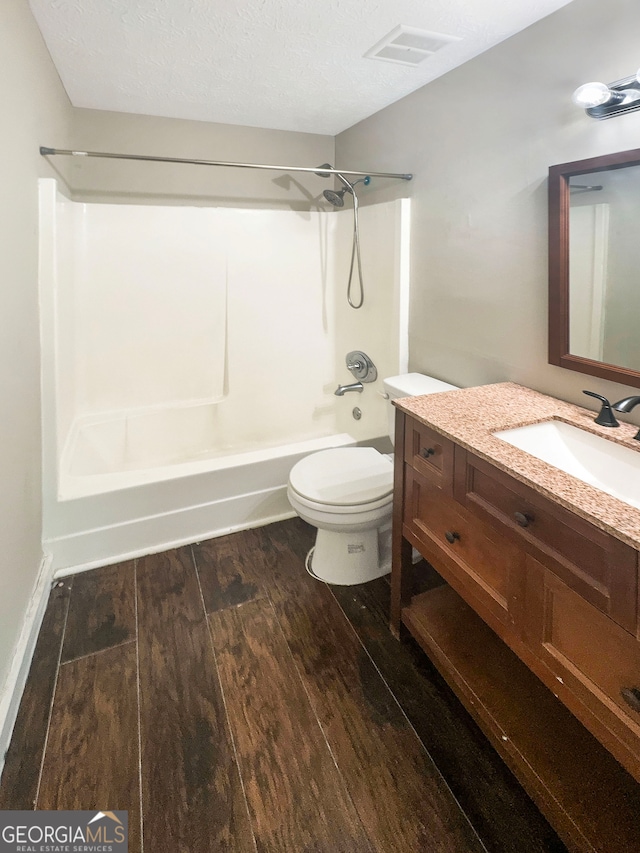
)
(296, 795)
(191, 790)
(102, 611)
(92, 749)
(230, 702)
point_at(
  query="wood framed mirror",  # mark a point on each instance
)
(594, 266)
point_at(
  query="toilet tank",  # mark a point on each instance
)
(410, 385)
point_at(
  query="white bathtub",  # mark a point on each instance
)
(131, 485)
(134, 448)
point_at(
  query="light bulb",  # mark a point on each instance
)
(591, 95)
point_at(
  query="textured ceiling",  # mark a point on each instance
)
(284, 64)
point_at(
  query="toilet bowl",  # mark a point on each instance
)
(347, 494)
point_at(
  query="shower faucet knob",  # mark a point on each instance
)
(363, 369)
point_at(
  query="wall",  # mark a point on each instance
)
(162, 183)
(35, 111)
(165, 307)
(479, 141)
(118, 180)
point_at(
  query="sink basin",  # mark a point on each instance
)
(601, 463)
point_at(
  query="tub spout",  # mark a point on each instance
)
(341, 390)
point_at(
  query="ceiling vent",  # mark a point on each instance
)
(409, 45)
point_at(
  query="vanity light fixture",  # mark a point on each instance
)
(601, 101)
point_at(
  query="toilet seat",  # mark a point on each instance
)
(335, 509)
(343, 480)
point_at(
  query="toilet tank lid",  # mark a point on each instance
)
(413, 384)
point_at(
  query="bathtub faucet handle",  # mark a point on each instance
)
(363, 369)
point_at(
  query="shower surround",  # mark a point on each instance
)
(190, 355)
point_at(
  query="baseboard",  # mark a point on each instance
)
(167, 546)
(13, 687)
(152, 534)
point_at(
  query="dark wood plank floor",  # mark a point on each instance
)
(92, 748)
(230, 702)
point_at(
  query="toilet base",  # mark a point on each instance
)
(346, 559)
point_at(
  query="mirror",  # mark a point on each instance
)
(594, 266)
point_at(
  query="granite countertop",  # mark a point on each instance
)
(468, 416)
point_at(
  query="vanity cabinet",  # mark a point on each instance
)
(597, 566)
(535, 595)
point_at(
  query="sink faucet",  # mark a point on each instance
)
(341, 390)
(606, 417)
(627, 405)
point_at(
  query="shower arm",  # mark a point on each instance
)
(67, 152)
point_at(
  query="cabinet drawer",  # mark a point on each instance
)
(476, 560)
(600, 568)
(590, 656)
(430, 453)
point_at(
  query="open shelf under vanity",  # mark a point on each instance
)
(591, 800)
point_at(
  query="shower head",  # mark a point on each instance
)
(335, 198)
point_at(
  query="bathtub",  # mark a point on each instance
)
(138, 483)
(133, 448)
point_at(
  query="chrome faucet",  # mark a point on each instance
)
(626, 405)
(341, 390)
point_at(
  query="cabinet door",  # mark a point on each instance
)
(429, 453)
(481, 565)
(597, 566)
(592, 664)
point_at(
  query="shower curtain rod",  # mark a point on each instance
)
(315, 169)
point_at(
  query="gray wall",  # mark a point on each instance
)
(35, 111)
(118, 180)
(480, 141)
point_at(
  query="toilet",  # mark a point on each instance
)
(347, 494)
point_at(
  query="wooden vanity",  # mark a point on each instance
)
(537, 626)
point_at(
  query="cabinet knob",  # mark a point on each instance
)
(451, 536)
(631, 696)
(523, 518)
(426, 452)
